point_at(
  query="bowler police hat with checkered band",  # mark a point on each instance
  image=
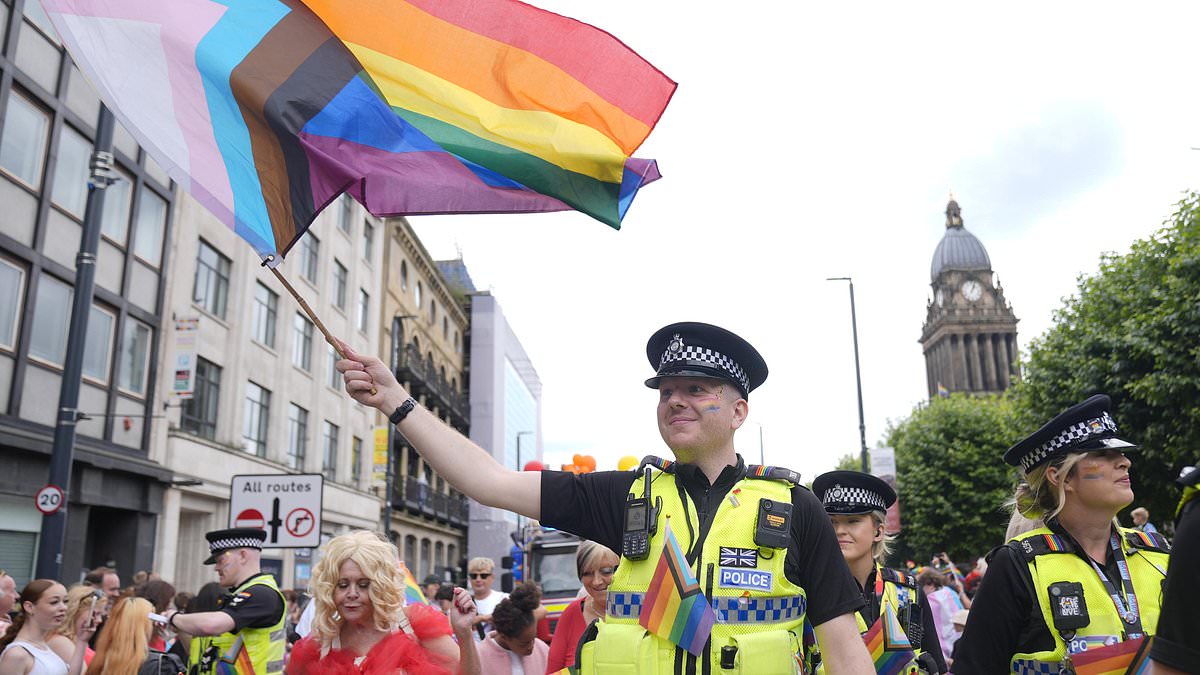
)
(1085, 427)
(691, 349)
(848, 493)
(220, 541)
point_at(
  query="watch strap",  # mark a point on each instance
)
(402, 411)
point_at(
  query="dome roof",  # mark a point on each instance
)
(958, 249)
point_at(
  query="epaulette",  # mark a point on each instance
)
(659, 463)
(898, 577)
(1041, 544)
(1150, 541)
(772, 473)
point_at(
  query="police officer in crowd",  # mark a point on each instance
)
(248, 627)
(760, 546)
(1078, 587)
(1176, 646)
(857, 505)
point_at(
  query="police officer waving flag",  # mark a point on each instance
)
(760, 547)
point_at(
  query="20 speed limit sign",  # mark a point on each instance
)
(49, 499)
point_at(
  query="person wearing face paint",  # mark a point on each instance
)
(247, 629)
(857, 505)
(362, 625)
(758, 542)
(1079, 589)
(26, 647)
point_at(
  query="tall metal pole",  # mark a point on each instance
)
(862, 425)
(762, 458)
(54, 526)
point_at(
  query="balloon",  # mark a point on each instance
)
(534, 465)
(577, 460)
(570, 467)
(588, 463)
(627, 463)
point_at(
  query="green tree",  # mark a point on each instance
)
(951, 479)
(1132, 331)
(849, 462)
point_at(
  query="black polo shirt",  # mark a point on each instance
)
(1177, 642)
(591, 505)
(255, 607)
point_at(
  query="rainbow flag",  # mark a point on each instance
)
(413, 593)
(267, 110)
(674, 607)
(889, 646)
(236, 661)
(1115, 659)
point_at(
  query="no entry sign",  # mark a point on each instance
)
(287, 506)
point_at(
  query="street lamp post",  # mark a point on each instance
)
(862, 425)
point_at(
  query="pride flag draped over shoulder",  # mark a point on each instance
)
(266, 110)
(675, 608)
(413, 593)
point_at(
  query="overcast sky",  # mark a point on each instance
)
(810, 140)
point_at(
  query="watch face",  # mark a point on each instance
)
(940, 297)
(972, 290)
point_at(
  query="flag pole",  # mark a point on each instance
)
(311, 314)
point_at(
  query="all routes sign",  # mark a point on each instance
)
(287, 506)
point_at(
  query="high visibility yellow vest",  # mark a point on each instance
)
(759, 612)
(1052, 559)
(250, 651)
(899, 593)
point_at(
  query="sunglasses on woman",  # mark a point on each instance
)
(479, 575)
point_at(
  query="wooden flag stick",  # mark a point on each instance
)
(311, 315)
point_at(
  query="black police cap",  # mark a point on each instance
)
(853, 492)
(691, 349)
(220, 541)
(1084, 427)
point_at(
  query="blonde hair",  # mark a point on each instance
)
(124, 642)
(588, 553)
(1036, 498)
(481, 565)
(79, 599)
(881, 549)
(378, 561)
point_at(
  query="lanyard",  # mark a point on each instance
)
(1128, 612)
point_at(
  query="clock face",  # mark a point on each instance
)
(972, 290)
(940, 297)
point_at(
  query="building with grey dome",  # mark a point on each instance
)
(970, 332)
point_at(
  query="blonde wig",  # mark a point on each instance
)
(79, 601)
(124, 642)
(378, 561)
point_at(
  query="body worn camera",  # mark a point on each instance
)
(773, 528)
(1068, 606)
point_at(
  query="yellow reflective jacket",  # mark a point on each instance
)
(250, 651)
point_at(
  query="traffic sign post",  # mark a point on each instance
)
(287, 506)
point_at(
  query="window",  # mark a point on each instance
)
(297, 436)
(97, 347)
(339, 284)
(403, 275)
(310, 248)
(199, 413)
(445, 328)
(355, 459)
(266, 307)
(432, 312)
(257, 414)
(302, 333)
(134, 357)
(419, 293)
(71, 172)
(457, 342)
(23, 140)
(364, 301)
(368, 240)
(12, 279)
(345, 211)
(149, 227)
(329, 460)
(335, 378)
(114, 219)
(212, 280)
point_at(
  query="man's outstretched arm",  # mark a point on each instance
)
(468, 467)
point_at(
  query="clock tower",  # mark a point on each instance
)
(970, 332)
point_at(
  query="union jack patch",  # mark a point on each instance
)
(738, 557)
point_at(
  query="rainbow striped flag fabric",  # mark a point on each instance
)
(413, 593)
(1116, 659)
(267, 110)
(888, 645)
(235, 661)
(674, 607)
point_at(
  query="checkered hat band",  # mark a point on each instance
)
(703, 356)
(727, 610)
(854, 496)
(1072, 435)
(234, 542)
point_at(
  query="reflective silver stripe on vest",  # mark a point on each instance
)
(275, 666)
(276, 635)
(1031, 667)
(728, 610)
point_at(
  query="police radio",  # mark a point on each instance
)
(641, 521)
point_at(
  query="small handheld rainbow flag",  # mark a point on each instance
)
(236, 661)
(889, 646)
(1115, 659)
(413, 595)
(674, 608)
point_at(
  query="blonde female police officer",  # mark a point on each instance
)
(1080, 582)
(704, 375)
(857, 505)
